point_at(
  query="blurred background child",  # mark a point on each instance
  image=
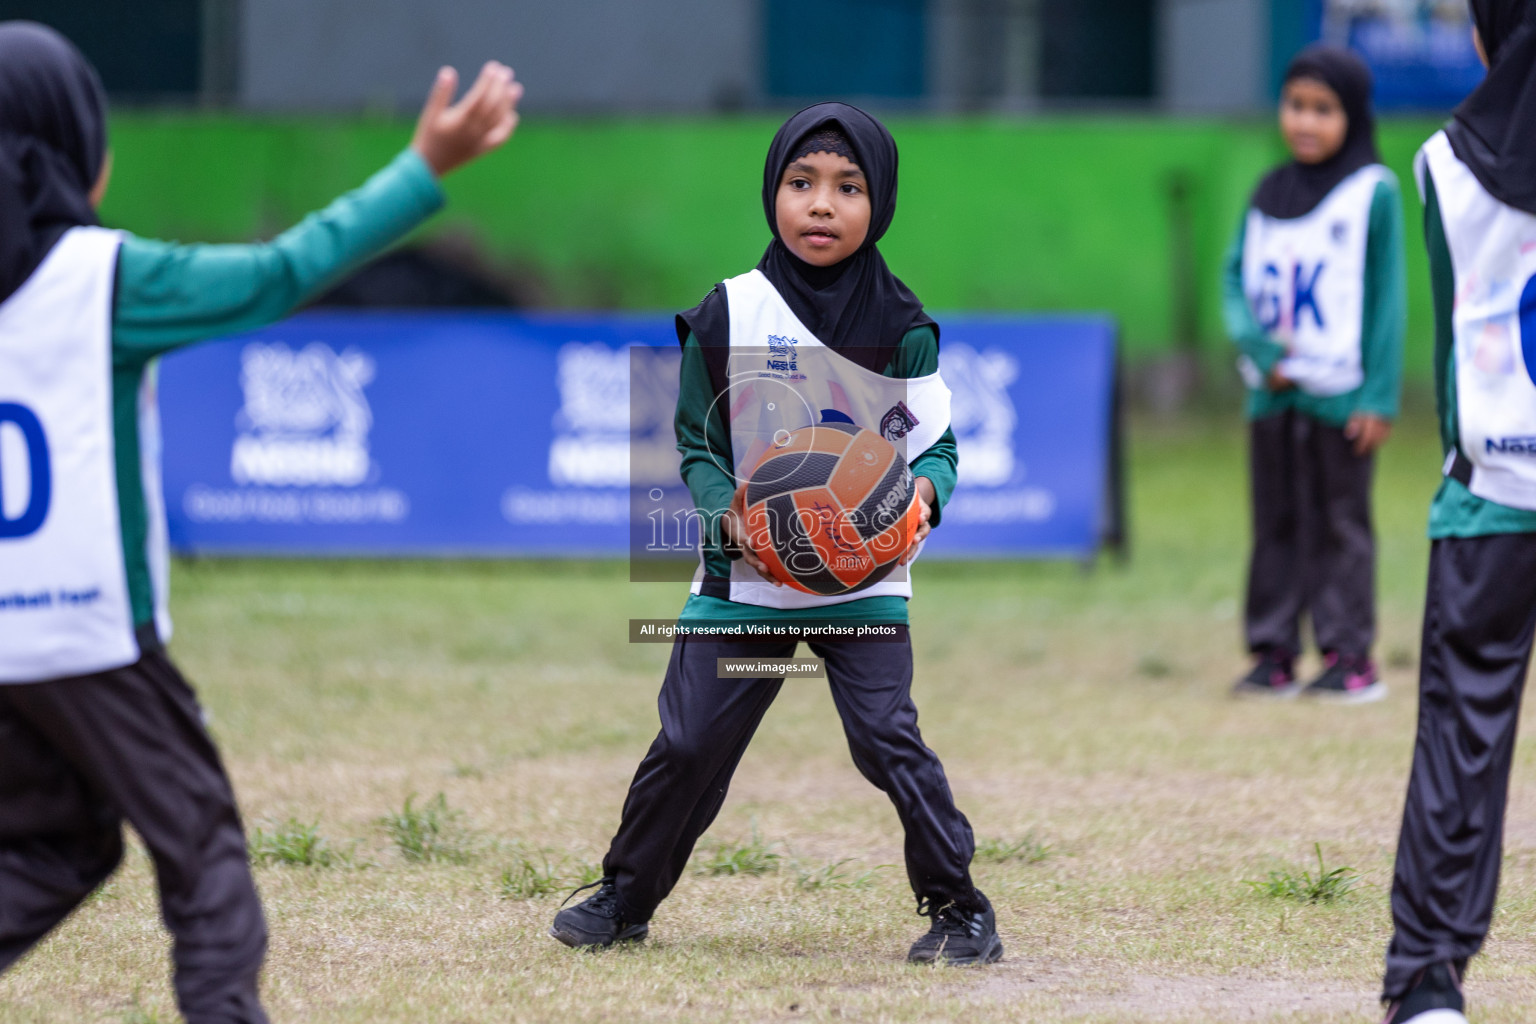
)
(1315, 297)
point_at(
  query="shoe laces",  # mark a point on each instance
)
(948, 918)
(605, 901)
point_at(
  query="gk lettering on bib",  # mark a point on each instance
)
(1304, 278)
(1493, 256)
(64, 607)
(780, 377)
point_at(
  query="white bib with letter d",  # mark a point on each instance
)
(64, 606)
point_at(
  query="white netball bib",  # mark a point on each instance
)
(64, 606)
(1304, 278)
(1493, 256)
(781, 378)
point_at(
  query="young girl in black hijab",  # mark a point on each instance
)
(820, 331)
(1315, 297)
(1478, 179)
(97, 726)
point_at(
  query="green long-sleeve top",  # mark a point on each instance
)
(170, 295)
(711, 487)
(1456, 511)
(1384, 322)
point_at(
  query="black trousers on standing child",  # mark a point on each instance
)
(1479, 619)
(706, 724)
(1314, 550)
(78, 757)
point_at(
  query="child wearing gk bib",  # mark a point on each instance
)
(1315, 297)
(97, 726)
(1478, 181)
(820, 331)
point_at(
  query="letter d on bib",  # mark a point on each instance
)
(1528, 327)
(38, 469)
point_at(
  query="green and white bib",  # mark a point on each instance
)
(64, 604)
(1493, 257)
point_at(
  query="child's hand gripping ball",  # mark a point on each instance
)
(831, 509)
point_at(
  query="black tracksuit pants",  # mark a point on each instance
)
(80, 756)
(1479, 618)
(706, 724)
(1313, 547)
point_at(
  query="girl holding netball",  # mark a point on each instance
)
(821, 316)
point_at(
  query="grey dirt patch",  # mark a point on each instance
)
(1086, 993)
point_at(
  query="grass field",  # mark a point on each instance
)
(1082, 717)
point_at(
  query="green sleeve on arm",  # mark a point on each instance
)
(705, 443)
(1442, 283)
(1242, 326)
(169, 295)
(918, 356)
(1386, 305)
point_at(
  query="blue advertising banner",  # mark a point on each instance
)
(1420, 51)
(490, 434)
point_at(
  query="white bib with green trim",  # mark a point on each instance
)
(1304, 278)
(781, 378)
(1493, 256)
(64, 604)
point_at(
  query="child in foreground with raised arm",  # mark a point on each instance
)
(97, 725)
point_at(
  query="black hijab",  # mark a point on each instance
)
(53, 138)
(856, 306)
(1494, 131)
(1295, 189)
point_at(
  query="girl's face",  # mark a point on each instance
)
(1312, 120)
(822, 208)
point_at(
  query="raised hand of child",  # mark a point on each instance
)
(734, 526)
(1368, 432)
(925, 499)
(448, 137)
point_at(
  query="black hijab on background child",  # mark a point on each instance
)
(1494, 131)
(856, 306)
(1295, 189)
(53, 139)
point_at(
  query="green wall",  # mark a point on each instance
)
(1048, 213)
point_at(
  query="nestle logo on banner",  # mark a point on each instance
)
(305, 421)
(1512, 445)
(984, 419)
(983, 416)
(613, 430)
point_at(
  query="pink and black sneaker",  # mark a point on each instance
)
(1347, 679)
(1273, 676)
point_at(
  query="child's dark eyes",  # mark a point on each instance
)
(847, 188)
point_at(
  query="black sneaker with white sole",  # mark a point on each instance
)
(1347, 680)
(1433, 998)
(596, 921)
(958, 936)
(1273, 676)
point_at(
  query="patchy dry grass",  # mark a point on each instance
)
(1082, 714)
